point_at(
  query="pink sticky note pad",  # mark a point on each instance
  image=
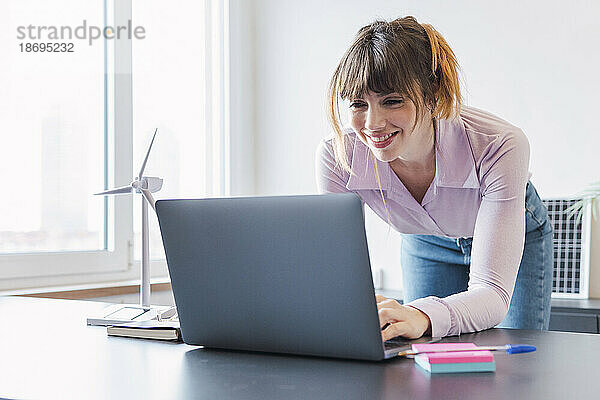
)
(453, 357)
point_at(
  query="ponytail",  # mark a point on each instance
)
(444, 68)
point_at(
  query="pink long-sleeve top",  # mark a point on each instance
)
(478, 191)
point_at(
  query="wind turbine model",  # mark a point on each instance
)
(123, 313)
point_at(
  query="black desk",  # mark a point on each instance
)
(46, 358)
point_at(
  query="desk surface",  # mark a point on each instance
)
(46, 358)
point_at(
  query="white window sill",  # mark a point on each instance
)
(54, 291)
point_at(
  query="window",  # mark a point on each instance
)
(54, 120)
(76, 123)
(175, 72)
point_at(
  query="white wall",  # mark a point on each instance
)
(533, 63)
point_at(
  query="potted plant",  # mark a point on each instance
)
(588, 195)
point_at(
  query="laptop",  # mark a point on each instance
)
(283, 274)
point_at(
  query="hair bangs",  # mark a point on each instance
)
(366, 68)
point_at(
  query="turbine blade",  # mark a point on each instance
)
(149, 198)
(147, 154)
(121, 190)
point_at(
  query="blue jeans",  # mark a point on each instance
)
(439, 266)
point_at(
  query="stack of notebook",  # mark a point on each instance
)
(457, 361)
(161, 330)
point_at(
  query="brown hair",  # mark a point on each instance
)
(401, 56)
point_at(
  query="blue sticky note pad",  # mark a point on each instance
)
(455, 367)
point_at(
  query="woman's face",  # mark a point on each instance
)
(385, 124)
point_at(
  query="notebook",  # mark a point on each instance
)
(160, 330)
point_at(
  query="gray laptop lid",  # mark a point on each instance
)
(286, 274)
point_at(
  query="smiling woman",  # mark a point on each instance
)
(452, 179)
(425, 75)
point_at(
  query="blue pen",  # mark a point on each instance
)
(508, 348)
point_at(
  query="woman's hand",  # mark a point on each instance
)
(398, 320)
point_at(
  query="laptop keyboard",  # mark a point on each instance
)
(397, 342)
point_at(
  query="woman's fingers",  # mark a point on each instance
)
(389, 316)
(398, 320)
(389, 310)
(385, 302)
(401, 328)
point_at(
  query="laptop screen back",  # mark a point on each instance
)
(283, 274)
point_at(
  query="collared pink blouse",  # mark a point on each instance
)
(478, 190)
